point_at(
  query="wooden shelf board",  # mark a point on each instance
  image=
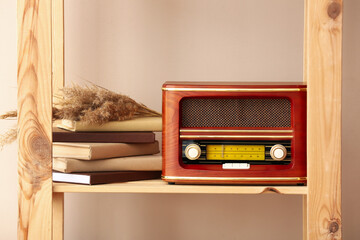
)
(159, 186)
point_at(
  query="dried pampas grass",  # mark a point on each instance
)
(97, 105)
(10, 114)
(90, 104)
(8, 137)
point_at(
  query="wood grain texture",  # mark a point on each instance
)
(57, 84)
(34, 119)
(323, 75)
(58, 216)
(159, 186)
(57, 47)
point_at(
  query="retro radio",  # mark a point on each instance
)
(236, 133)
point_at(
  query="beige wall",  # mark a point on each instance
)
(133, 46)
(8, 157)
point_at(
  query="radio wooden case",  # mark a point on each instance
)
(234, 133)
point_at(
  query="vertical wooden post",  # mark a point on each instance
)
(34, 119)
(58, 216)
(58, 83)
(322, 65)
(57, 47)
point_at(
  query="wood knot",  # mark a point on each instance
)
(334, 10)
(333, 227)
(41, 147)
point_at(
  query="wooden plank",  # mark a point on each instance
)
(323, 75)
(159, 186)
(58, 216)
(57, 47)
(57, 84)
(34, 119)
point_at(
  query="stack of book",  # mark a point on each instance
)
(113, 152)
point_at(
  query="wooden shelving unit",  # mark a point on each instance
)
(40, 72)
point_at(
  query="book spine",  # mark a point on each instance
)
(141, 163)
(124, 177)
(125, 150)
(109, 137)
(153, 124)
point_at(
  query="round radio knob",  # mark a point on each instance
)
(278, 152)
(192, 151)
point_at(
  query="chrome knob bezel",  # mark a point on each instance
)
(277, 147)
(190, 147)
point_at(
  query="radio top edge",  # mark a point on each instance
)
(206, 85)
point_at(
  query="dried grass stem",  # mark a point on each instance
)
(8, 137)
(10, 114)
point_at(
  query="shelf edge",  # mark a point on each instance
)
(157, 186)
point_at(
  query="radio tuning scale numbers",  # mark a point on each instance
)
(235, 152)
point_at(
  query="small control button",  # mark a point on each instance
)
(192, 151)
(278, 152)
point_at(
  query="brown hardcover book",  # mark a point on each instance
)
(94, 151)
(93, 178)
(60, 135)
(137, 163)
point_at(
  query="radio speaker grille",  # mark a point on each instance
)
(229, 112)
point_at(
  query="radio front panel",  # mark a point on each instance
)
(222, 152)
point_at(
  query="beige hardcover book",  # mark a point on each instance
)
(153, 124)
(94, 151)
(138, 163)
